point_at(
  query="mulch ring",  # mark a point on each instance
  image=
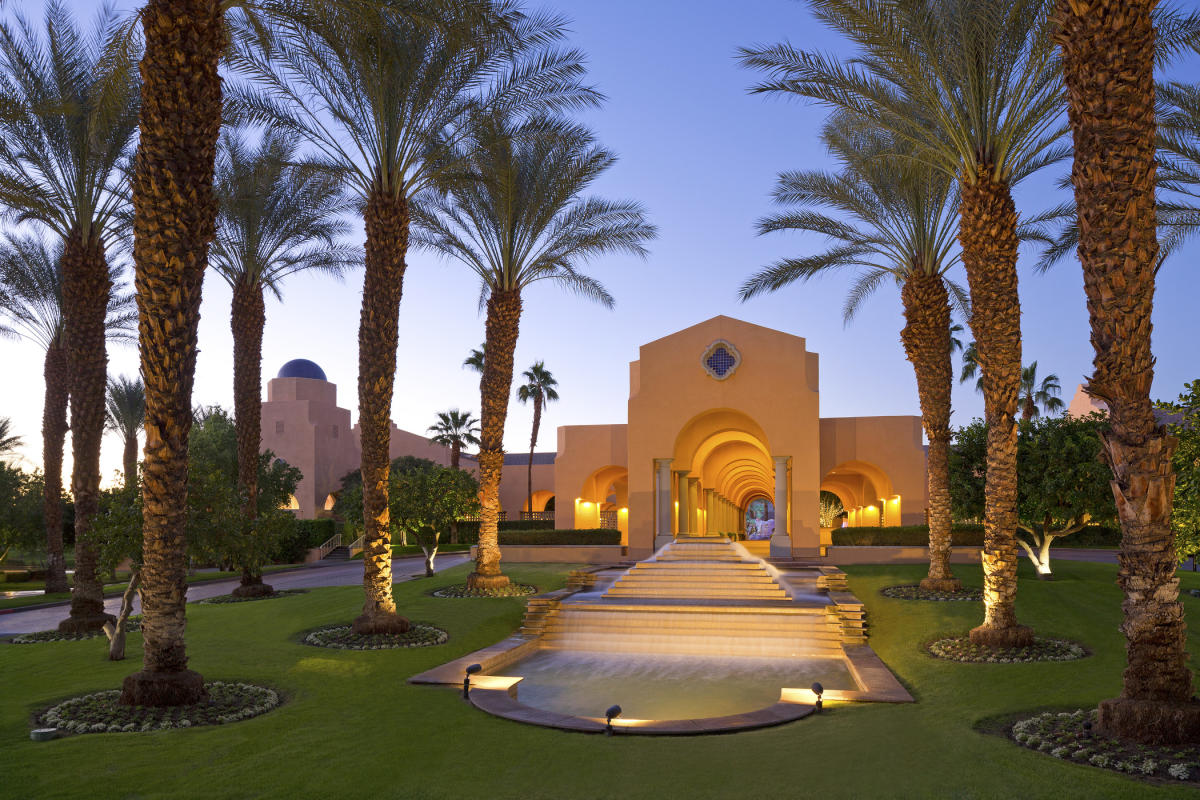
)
(960, 649)
(342, 637)
(228, 598)
(459, 590)
(132, 624)
(101, 712)
(1070, 737)
(913, 591)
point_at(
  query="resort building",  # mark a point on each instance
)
(723, 436)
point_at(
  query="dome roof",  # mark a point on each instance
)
(301, 368)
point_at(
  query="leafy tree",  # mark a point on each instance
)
(426, 498)
(1062, 482)
(70, 110)
(383, 98)
(275, 219)
(896, 222)
(831, 509)
(455, 429)
(125, 415)
(1185, 516)
(1039, 397)
(518, 217)
(20, 512)
(539, 388)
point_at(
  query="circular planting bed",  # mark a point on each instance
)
(101, 713)
(913, 591)
(959, 648)
(342, 637)
(132, 624)
(461, 590)
(228, 598)
(1069, 736)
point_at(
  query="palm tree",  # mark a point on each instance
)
(125, 415)
(455, 429)
(31, 308)
(520, 221)
(1038, 397)
(896, 222)
(274, 219)
(474, 362)
(382, 98)
(9, 441)
(538, 387)
(973, 88)
(66, 131)
(1109, 49)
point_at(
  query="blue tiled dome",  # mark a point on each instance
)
(301, 368)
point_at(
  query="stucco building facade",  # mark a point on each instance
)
(723, 436)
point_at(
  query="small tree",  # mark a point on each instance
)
(117, 535)
(1062, 484)
(426, 499)
(1185, 427)
(20, 511)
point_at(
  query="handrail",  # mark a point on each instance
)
(329, 546)
(356, 546)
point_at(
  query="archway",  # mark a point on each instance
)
(866, 493)
(603, 500)
(543, 501)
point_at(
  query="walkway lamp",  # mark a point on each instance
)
(612, 713)
(471, 670)
(818, 690)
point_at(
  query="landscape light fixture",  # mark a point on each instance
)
(818, 690)
(612, 713)
(471, 670)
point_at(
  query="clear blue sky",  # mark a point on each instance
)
(701, 154)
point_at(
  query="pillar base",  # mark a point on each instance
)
(781, 546)
(662, 540)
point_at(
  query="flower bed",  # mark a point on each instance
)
(342, 637)
(959, 648)
(913, 591)
(1069, 736)
(461, 590)
(131, 624)
(228, 598)
(101, 713)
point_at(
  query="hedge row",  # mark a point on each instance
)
(469, 531)
(588, 536)
(960, 535)
(305, 535)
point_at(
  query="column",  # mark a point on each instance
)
(711, 521)
(662, 502)
(681, 526)
(781, 543)
(693, 497)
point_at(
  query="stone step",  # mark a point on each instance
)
(690, 577)
(820, 630)
(696, 645)
(699, 593)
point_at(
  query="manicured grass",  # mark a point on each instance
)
(352, 727)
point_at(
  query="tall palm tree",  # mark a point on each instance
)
(1039, 397)
(9, 441)
(1109, 48)
(275, 218)
(520, 220)
(66, 130)
(382, 98)
(31, 307)
(538, 387)
(125, 415)
(455, 429)
(896, 222)
(973, 87)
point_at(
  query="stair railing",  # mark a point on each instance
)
(356, 546)
(332, 544)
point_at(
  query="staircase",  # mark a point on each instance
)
(701, 569)
(341, 553)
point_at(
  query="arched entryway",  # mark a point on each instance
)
(603, 500)
(866, 493)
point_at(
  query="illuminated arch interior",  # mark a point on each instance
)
(866, 493)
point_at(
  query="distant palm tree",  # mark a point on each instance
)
(973, 87)
(520, 221)
(474, 362)
(896, 219)
(538, 387)
(382, 98)
(126, 415)
(1109, 50)
(66, 133)
(274, 219)
(9, 441)
(1038, 397)
(455, 429)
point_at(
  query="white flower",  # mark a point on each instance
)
(1148, 767)
(1179, 771)
(1059, 752)
(1099, 760)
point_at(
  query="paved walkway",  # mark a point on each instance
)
(348, 574)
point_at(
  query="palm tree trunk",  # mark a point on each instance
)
(537, 423)
(503, 325)
(174, 214)
(926, 337)
(1028, 409)
(387, 220)
(86, 289)
(1108, 63)
(129, 459)
(54, 436)
(247, 320)
(988, 234)
(455, 454)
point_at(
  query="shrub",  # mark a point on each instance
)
(468, 530)
(960, 535)
(304, 534)
(587, 536)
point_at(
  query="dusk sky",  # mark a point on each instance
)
(701, 154)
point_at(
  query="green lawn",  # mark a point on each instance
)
(352, 727)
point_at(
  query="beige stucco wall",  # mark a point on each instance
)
(514, 482)
(864, 459)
